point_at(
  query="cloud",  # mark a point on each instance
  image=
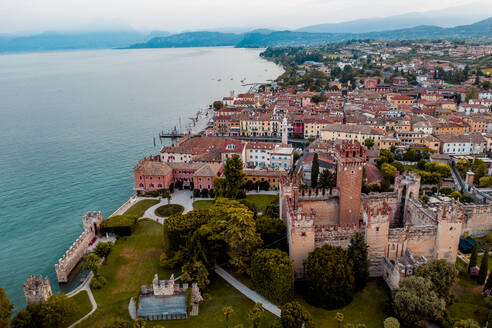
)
(37, 15)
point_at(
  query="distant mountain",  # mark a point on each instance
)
(289, 38)
(192, 39)
(157, 34)
(69, 41)
(447, 17)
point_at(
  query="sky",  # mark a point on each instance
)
(184, 15)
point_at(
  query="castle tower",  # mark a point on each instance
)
(449, 219)
(92, 221)
(37, 289)
(285, 131)
(351, 157)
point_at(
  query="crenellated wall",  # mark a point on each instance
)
(78, 249)
(478, 220)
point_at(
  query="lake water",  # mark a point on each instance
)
(72, 126)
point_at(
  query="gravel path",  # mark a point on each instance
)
(252, 295)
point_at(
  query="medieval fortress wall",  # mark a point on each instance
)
(399, 231)
(79, 248)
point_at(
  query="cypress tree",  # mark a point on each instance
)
(314, 171)
(484, 268)
(488, 284)
(357, 252)
(473, 258)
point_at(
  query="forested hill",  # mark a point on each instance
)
(482, 29)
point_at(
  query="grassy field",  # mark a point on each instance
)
(261, 201)
(468, 303)
(167, 210)
(134, 261)
(366, 307)
(140, 207)
(83, 303)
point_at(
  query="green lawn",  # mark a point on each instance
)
(168, 210)
(366, 307)
(83, 303)
(134, 261)
(468, 303)
(261, 201)
(140, 207)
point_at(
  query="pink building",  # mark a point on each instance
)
(151, 174)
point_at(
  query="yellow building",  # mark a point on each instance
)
(352, 132)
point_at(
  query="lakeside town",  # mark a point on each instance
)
(353, 191)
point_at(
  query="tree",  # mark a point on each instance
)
(471, 93)
(5, 309)
(469, 323)
(227, 310)
(118, 323)
(484, 268)
(60, 311)
(103, 249)
(272, 274)
(234, 224)
(256, 314)
(272, 231)
(33, 316)
(369, 143)
(442, 274)
(196, 272)
(488, 284)
(480, 169)
(219, 186)
(314, 171)
(139, 323)
(357, 252)
(293, 315)
(92, 263)
(218, 104)
(485, 182)
(473, 257)
(416, 302)
(463, 166)
(391, 322)
(234, 176)
(329, 277)
(388, 171)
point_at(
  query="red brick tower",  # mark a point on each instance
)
(351, 157)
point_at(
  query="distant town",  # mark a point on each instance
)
(355, 190)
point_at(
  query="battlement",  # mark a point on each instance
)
(37, 289)
(351, 151)
(78, 249)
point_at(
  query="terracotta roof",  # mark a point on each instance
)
(153, 168)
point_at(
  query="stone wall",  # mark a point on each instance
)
(478, 220)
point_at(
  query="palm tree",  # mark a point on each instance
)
(256, 313)
(339, 318)
(167, 194)
(228, 310)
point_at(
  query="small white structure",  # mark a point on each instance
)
(163, 287)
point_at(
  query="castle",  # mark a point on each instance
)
(65, 265)
(37, 289)
(397, 228)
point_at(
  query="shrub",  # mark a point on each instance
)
(204, 193)
(171, 260)
(272, 274)
(98, 282)
(168, 210)
(391, 323)
(293, 315)
(121, 225)
(103, 249)
(196, 193)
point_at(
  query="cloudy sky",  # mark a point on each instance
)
(179, 15)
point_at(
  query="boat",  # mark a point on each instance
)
(218, 80)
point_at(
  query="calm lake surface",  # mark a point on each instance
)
(73, 125)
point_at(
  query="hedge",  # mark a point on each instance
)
(121, 225)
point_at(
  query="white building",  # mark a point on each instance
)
(462, 144)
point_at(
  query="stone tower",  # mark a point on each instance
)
(351, 157)
(37, 289)
(285, 131)
(92, 221)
